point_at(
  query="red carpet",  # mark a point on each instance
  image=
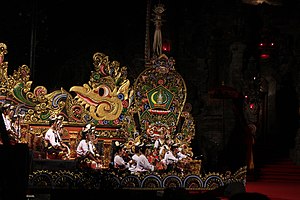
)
(279, 179)
(276, 190)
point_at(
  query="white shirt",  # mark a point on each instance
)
(181, 155)
(119, 161)
(84, 147)
(135, 158)
(143, 164)
(92, 147)
(53, 137)
(133, 165)
(169, 158)
(6, 122)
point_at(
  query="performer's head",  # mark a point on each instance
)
(53, 121)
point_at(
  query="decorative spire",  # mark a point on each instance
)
(157, 42)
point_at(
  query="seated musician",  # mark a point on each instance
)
(55, 148)
(119, 162)
(87, 154)
(60, 131)
(4, 132)
(170, 160)
(7, 114)
(134, 159)
(17, 121)
(143, 164)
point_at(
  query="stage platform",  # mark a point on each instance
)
(50, 179)
(64, 174)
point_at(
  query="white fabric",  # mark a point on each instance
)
(53, 137)
(158, 143)
(92, 147)
(82, 148)
(135, 159)
(181, 156)
(169, 158)
(6, 122)
(143, 164)
(119, 161)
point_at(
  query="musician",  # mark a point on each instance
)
(170, 160)
(180, 155)
(119, 162)
(17, 120)
(134, 159)
(7, 113)
(143, 163)
(4, 127)
(87, 154)
(157, 160)
(160, 144)
(53, 143)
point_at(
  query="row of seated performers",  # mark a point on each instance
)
(144, 158)
(139, 158)
(55, 148)
(87, 155)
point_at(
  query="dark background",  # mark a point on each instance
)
(58, 38)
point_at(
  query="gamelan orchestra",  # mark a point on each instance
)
(108, 123)
(140, 123)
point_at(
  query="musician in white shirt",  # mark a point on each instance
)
(53, 142)
(170, 159)
(119, 162)
(7, 115)
(143, 163)
(180, 155)
(4, 127)
(86, 151)
(134, 159)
